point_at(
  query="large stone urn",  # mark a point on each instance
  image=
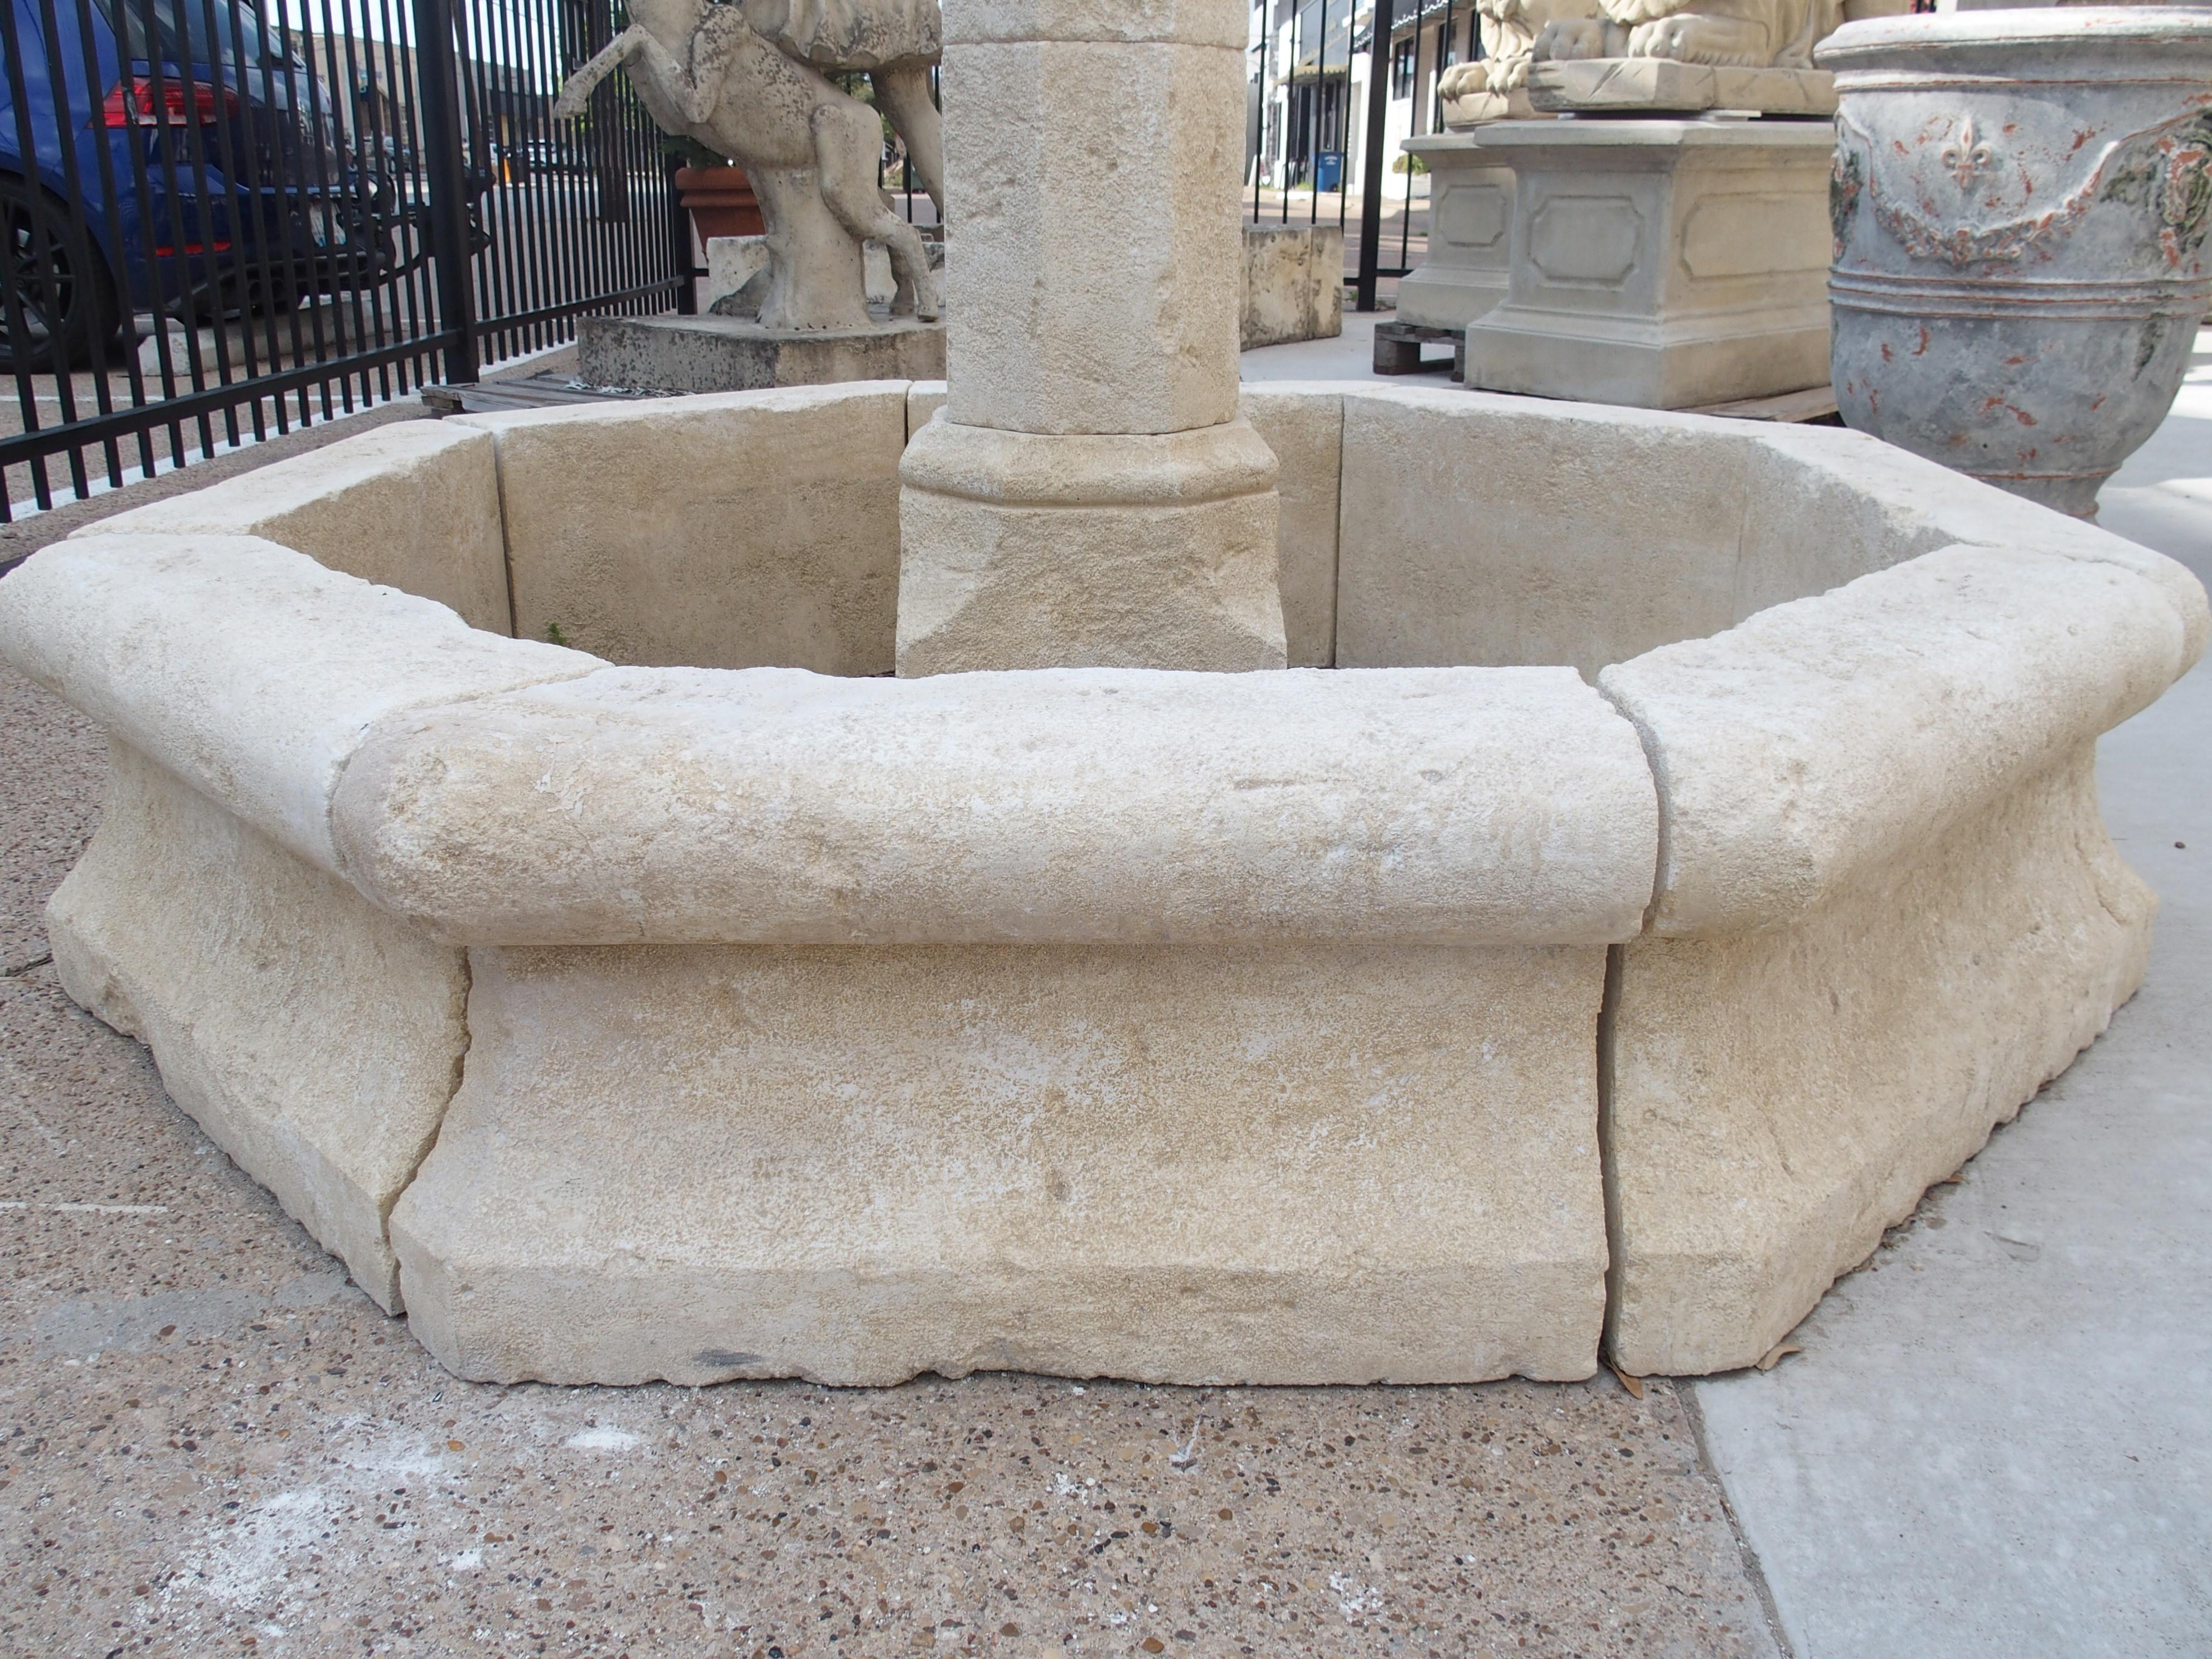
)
(2020, 201)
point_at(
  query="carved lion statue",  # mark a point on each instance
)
(1510, 28)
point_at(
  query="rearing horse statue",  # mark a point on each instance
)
(809, 149)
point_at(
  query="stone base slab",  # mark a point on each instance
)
(1622, 86)
(1288, 1164)
(1648, 364)
(1478, 107)
(1665, 264)
(1177, 533)
(731, 354)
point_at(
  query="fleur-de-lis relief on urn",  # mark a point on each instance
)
(2020, 200)
(1965, 155)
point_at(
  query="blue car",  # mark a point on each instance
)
(166, 157)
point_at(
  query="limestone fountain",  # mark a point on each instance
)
(1635, 855)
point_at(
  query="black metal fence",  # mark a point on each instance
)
(1327, 102)
(226, 219)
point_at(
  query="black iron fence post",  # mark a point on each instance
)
(679, 243)
(1370, 184)
(445, 171)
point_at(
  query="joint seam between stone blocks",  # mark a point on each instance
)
(506, 542)
(429, 1141)
(1608, 1173)
(1656, 765)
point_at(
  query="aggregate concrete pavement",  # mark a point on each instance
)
(211, 1443)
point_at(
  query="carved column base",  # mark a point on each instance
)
(1025, 550)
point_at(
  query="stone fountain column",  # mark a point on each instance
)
(1088, 495)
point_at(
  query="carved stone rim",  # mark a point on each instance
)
(2092, 36)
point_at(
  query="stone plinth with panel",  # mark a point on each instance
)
(1667, 264)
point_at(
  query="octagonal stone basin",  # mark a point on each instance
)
(1674, 848)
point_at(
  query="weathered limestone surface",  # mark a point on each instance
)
(1293, 284)
(923, 400)
(734, 262)
(1853, 473)
(1718, 516)
(1822, 740)
(245, 669)
(1665, 264)
(414, 506)
(1097, 152)
(1293, 977)
(1098, 806)
(314, 1038)
(1027, 550)
(1295, 1163)
(717, 531)
(1538, 571)
(1302, 423)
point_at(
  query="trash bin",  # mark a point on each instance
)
(1328, 170)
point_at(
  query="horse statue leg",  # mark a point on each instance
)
(903, 91)
(847, 140)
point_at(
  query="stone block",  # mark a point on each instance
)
(1915, 695)
(923, 400)
(314, 1038)
(1470, 235)
(1293, 284)
(1540, 571)
(713, 531)
(1027, 551)
(1886, 913)
(244, 668)
(1630, 86)
(734, 354)
(1780, 1097)
(1282, 1162)
(1452, 805)
(414, 505)
(1059, 314)
(1665, 264)
(1218, 23)
(1304, 425)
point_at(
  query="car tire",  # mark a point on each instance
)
(56, 284)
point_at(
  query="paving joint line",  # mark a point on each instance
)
(1753, 1568)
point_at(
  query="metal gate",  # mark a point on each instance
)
(226, 219)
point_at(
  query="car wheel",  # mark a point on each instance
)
(57, 292)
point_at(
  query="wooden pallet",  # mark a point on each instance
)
(1398, 349)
